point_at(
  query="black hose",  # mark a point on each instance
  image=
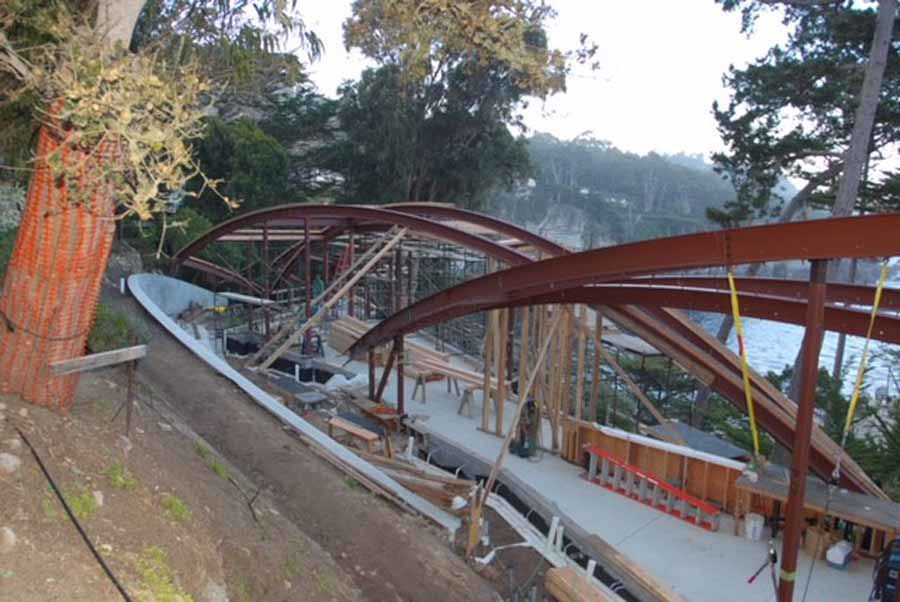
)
(74, 520)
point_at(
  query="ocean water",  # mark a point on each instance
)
(772, 345)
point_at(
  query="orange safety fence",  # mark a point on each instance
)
(53, 280)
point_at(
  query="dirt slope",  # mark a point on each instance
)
(390, 554)
(160, 507)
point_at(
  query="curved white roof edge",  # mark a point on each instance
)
(162, 295)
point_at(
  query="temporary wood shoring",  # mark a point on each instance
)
(478, 505)
(323, 310)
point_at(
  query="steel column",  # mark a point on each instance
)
(307, 268)
(352, 252)
(809, 371)
(267, 284)
(372, 374)
(401, 360)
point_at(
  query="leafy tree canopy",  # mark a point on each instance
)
(792, 111)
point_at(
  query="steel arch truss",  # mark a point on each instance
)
(641, 298)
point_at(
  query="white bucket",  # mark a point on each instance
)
(753, 526)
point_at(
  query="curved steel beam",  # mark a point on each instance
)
(353, 212)
(869, 236)
(837, 292)
(497, 225)
(766, 307)
(214, 269)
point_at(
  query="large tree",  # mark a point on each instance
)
(431, 123)
(114, 138)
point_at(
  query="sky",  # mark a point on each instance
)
(661, 66)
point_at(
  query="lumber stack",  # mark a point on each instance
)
(437, 489)
(566, 584)
(346, 330)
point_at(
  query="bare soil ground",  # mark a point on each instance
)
(160, 507)
(389, 554)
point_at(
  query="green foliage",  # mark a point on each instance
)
(48, 506)
(158, 581)
(104, 101)
(428, 39)
(81, 501)
(12, 201)
(113, 329)
(212, 461)
(431, 123)
(175, 509)
(793, 110)
(7, 244)
(120, 477)
(447, 142)
(253, 164)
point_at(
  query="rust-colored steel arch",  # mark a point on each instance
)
(869, 236)
(767, 307)
(499, 226)
(337, 214)
(838, 292)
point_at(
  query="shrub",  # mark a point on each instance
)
(113, 329)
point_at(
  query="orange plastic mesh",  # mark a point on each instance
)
(53, 280)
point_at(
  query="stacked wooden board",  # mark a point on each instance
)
(346, 330)
(566, 584)
(438, 489)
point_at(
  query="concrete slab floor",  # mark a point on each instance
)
(701, 566)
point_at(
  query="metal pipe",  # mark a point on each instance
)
(809, 371)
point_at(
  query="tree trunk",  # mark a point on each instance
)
(53, 281)
(865, 111)
(858, 152)
(838, 368)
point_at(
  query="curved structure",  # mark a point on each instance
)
(563, 279)
(628, 281)
(870, 236)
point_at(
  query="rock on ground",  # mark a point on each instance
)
(7, 540)
(9, 463)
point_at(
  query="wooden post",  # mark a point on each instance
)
(488, 354)
(501, 339)
(267, 284)
(129, 396)
(596, 373)
(478, 505)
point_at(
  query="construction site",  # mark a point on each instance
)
(474, 372)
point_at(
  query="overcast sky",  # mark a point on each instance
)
(661, 66)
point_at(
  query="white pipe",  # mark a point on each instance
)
(137, 282)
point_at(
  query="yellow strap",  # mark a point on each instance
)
(745, 369)
(861, 372)
(788, 575)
